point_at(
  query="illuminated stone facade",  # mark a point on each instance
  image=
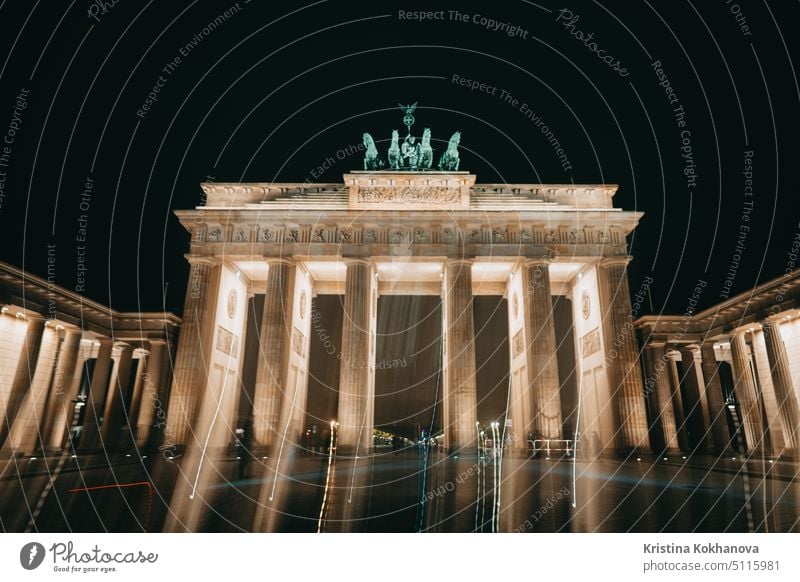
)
(727, 379)
(409, 233)
(75, 374)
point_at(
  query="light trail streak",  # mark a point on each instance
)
(331, 451)
(478, 464)
(283, 438)
(495, 436)
(575, 437)
(210, 429)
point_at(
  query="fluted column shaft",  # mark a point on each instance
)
(274, 338)
(783, 384)
(194, 345)
(714, 397)
(55, 422)
(90, 434)
(624, 371)
(149, 401)
(746, 394)
(25, 437)
(545, 388)
(696, 388)
(460, 389)
(677, 402)
(355, 420)
(136, 391)
(657, 362)
(117, 394)
(23, 376)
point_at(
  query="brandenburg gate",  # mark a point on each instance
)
(423, 232)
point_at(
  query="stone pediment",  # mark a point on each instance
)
(409, 191)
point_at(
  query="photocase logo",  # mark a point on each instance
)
(31, 555)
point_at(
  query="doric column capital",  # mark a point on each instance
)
(536, 261)
(356, 261)
(69, 331)
(203, 260)
(32, 318)
(656, 345)
(449, 262)
(774, 321)
(693, 349)
(621, 261)
(274, 261)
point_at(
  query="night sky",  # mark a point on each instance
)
(273, 90)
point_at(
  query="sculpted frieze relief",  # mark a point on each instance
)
(537, 234)
(429, 195)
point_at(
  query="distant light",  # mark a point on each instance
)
(128, 455)
(638, 458)
(33, 458)
(734, 458)
(144, 456)
(666, 459)
(771, 461)
(238, 458)
(73, 456)
(683, 457)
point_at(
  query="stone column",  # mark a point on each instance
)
(677, 400)
(90, 434)
(696, 388)
(460, 389)
(24, 437)
(355, 420)
(746, 394)
(658, 382)
(132, 413)
(55, 423)
(624, 371)
(783, 384)
(519, 405)
(274, 338)
(23, 376)
(714, 397)
(194, 347)
(117, 394)
(150, 408)
(770, 415)
(545, 387)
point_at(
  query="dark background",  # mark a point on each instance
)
(278, 87)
